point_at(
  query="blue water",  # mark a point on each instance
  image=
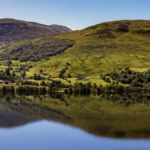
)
(46, 135)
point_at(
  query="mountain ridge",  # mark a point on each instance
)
(13, 30)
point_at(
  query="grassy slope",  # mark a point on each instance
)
(95, 53)
(99, 49)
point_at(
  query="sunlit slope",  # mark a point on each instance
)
(102, 48)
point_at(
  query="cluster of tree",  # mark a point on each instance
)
(76, 89)
(127, 99)
(62, 73)
(31, 90)
(64, 70)
(84, 89)
(7, 90)
(37, 77)
(27, 82)
(129, 77)
(7, 75)
(23, 90)
(55, 85)
(24, 68)
(118, 88)
(35, 51)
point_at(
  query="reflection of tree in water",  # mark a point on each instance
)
(16, 111)
(104, 115)
(127, 99)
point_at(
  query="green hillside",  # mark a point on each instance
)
(98, 49)
(104, 47)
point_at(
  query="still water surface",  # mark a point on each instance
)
(74, 123)
(45, 135)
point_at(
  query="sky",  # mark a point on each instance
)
(76, 14)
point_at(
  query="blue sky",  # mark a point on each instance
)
(76, 14)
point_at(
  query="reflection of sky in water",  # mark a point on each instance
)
(53, 136)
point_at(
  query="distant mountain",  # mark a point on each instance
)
(59, 29)
(12, 30)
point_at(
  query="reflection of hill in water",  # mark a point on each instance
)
(16, 114)
(10, 118)
(99, 115)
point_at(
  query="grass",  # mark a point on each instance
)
(91, 56)
(91, 79)
(95, 52)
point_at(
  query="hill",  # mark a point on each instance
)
(103, 48)
(98, 49)
(12, 30)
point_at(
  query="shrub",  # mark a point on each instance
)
(43, 83)
(123, 28)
